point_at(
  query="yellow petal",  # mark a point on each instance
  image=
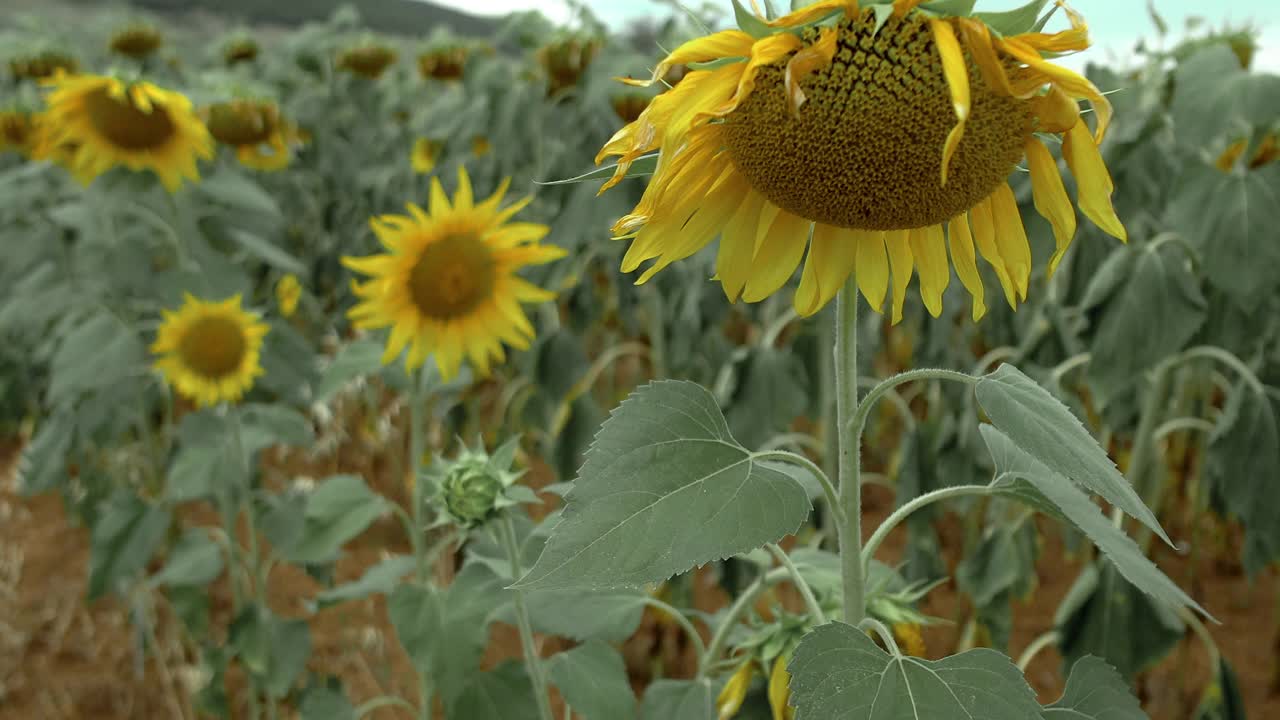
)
(737, 246)
(984, 234)
(966, 262)
(724, 44)
(734, 692)
(957, 75)
(1072, 83)
(872, 268)
(462, 197)
(1051, 197)
(1055, 111)
(1011, 238)
(815, 11)
(439, 201)
(805, 62)
(779, 693)
(930, 252)
(1093, 182)
(899, 246)
(832, 252)
(902, 7)
(778, 256)
(978, 40)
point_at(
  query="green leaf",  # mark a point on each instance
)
(642, 166)
(593, 680)
(679, 700)
(1111, 619)
(339, 509)
(501, 694)
(1043, 427)
(273, 649)
(1231, 218)
(239, 192)
(264, 426)
(1063, 499)
(771, 393)
(748, 22)
(1016, 21)
(202, 471)
(1215, 97)
(1004, 562)
(44, 462)
(379, 579)
(951, 8)
(839, 672)
(445, 632)
(1242, 462)
(195, 560)
(127, 534)
(99, 352)
(665, 487)
(1095, 691)
(322, 703)
(354, 360)
(1158, 309)
(268, 252)
(610, 615)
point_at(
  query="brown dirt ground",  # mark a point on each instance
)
(61, 658)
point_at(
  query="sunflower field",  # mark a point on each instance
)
(821, 360)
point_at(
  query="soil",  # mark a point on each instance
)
(64, 658)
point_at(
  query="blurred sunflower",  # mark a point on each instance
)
(209, 350)
(885, 133)
(368, 61)
(136, 41)
(628, 106)
(1268, 151)
(565, 62)
(424, 154)
(138, 126)
(17, 131)
(480, 146)
(447, 284)
(43, 65)
(734, 693)
(261, 137)
(446, 63)
(288, 293)
(240, 50)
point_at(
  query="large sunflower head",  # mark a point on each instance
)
(43, 65)
(876, 134)
(368, 61)
(447, 283)
(138, 126)
(137, 41)
(261, 137)
(208, 351)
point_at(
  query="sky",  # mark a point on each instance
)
(1115, 25)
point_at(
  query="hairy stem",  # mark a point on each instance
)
(532, 661)
(846, 367)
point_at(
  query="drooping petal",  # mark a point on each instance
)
(1093, 181)
(832, 252)
(1011, 238)
(930, 252)
(778, 256)
(957, 75)
(809, 60)
(723, 44)
(898, 243)
(984, 234)
(966, 262)
(737, 246)
(1050, 197)
(872, 268)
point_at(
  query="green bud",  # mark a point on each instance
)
(471, 488)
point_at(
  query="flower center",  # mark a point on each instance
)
(241, 123)
(126, 126)
(213, 346)
(452, 277)
(866, 150)
(15, 129)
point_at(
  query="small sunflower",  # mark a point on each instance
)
(628, 106)
(1268, 152)
(209, 350)
(17, 131)
(446, 63)
(288, 293)
(424, 154)
(138, 126)
(876, 136)
(261, 137)
(447, 284)
(566, 61)
(368, 61)
(480, 146)
(240, 50)
(136, 41)
(43, 65)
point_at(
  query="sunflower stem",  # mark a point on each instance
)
(846, 374)
(416, 398)
(532, 661)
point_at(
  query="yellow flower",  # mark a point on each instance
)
(137, 41)
(288, 292)
(734, 692)
(566, 61)
(368, 61)
(242, 49)
(447, 63)
(209, 350)
(779, 693)
(17, 131)
(877, 147)
(447, 285)
(909, 638)
(138, 126)
(261, 137)
(424, 154)
(480, 146)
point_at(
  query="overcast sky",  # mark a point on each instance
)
(1115, 25)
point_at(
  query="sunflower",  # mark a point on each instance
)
(480, 146)
(209, 350)
(877, 136)
(261, 137)
(424, 154)
(628, 106)
(288, 293)
(447, 283)
(239, 50)
(43, 65)
(139, 126)
(17, 131)
(136, 41)
(565, 62)
(1268, 151)
(368, 61)
(446, 63)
